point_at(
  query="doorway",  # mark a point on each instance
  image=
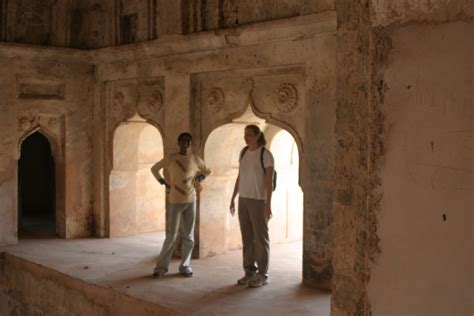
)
(36, 188)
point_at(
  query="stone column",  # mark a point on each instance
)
(359, 132)
(317, 172)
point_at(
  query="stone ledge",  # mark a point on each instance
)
(28, 286)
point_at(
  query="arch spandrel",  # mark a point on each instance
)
(125, 99)
(276, 95)
(50, 126)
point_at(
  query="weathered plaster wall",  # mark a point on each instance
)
(208, 80)
(108, 23)
(35, 22)
(201, 15)
(385, 13)
(91, 24)
(88, 24)
(426, 222)
(47, 90)
(402, 214)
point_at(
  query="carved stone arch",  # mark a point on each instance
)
(211, 223)
(281, 124)
(113, 129)
(268, 119)
(120, 169)
(158, 127)
(152, 121)
(110, 141)
(52, 128)
(49, 126)
(52, 140)
(221, 122)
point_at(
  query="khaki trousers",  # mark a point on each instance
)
(255, 240)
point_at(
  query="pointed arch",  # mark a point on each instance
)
(54, 142)
(135, 201)
(218, 231)
(52, 128)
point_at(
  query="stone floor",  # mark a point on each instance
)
(125, 265)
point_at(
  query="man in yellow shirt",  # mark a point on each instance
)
(184, 169)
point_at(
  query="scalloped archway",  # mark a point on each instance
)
(136, 201)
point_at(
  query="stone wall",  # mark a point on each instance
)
(27, 288)
(403, 209)
(88, 24)
(47, 91)
(129, 21)
(91, 24)
(34, 22)
(426, 221)
(202, 15)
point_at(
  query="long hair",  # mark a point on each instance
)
(256, 131)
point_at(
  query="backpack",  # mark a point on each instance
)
(274, 178)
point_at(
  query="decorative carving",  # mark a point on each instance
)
(215, 99)
(25, 123)
(155, 101)
(286, 97)
(44, 90)
(53, 123)
(118, 101)
(29, 122)
(249, 84)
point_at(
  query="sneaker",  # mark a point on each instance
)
(158, 274)
(245, 279)
(187, 272)
(258, 281)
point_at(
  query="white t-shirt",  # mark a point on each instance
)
(251, 175)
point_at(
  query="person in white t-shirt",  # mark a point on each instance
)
(254, 186)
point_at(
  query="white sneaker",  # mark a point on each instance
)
(187, 272)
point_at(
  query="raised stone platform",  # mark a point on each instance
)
(113, 277)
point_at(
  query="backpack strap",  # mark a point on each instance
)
(243, 152)
(261, 159)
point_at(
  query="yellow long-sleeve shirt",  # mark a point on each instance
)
(182, 171)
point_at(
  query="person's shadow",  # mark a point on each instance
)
(166, 276)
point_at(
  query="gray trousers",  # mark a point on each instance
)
(255, 240)
(178, 216)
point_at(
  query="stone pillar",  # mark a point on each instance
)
(359, 130)
(8, 158)
(317, 172)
